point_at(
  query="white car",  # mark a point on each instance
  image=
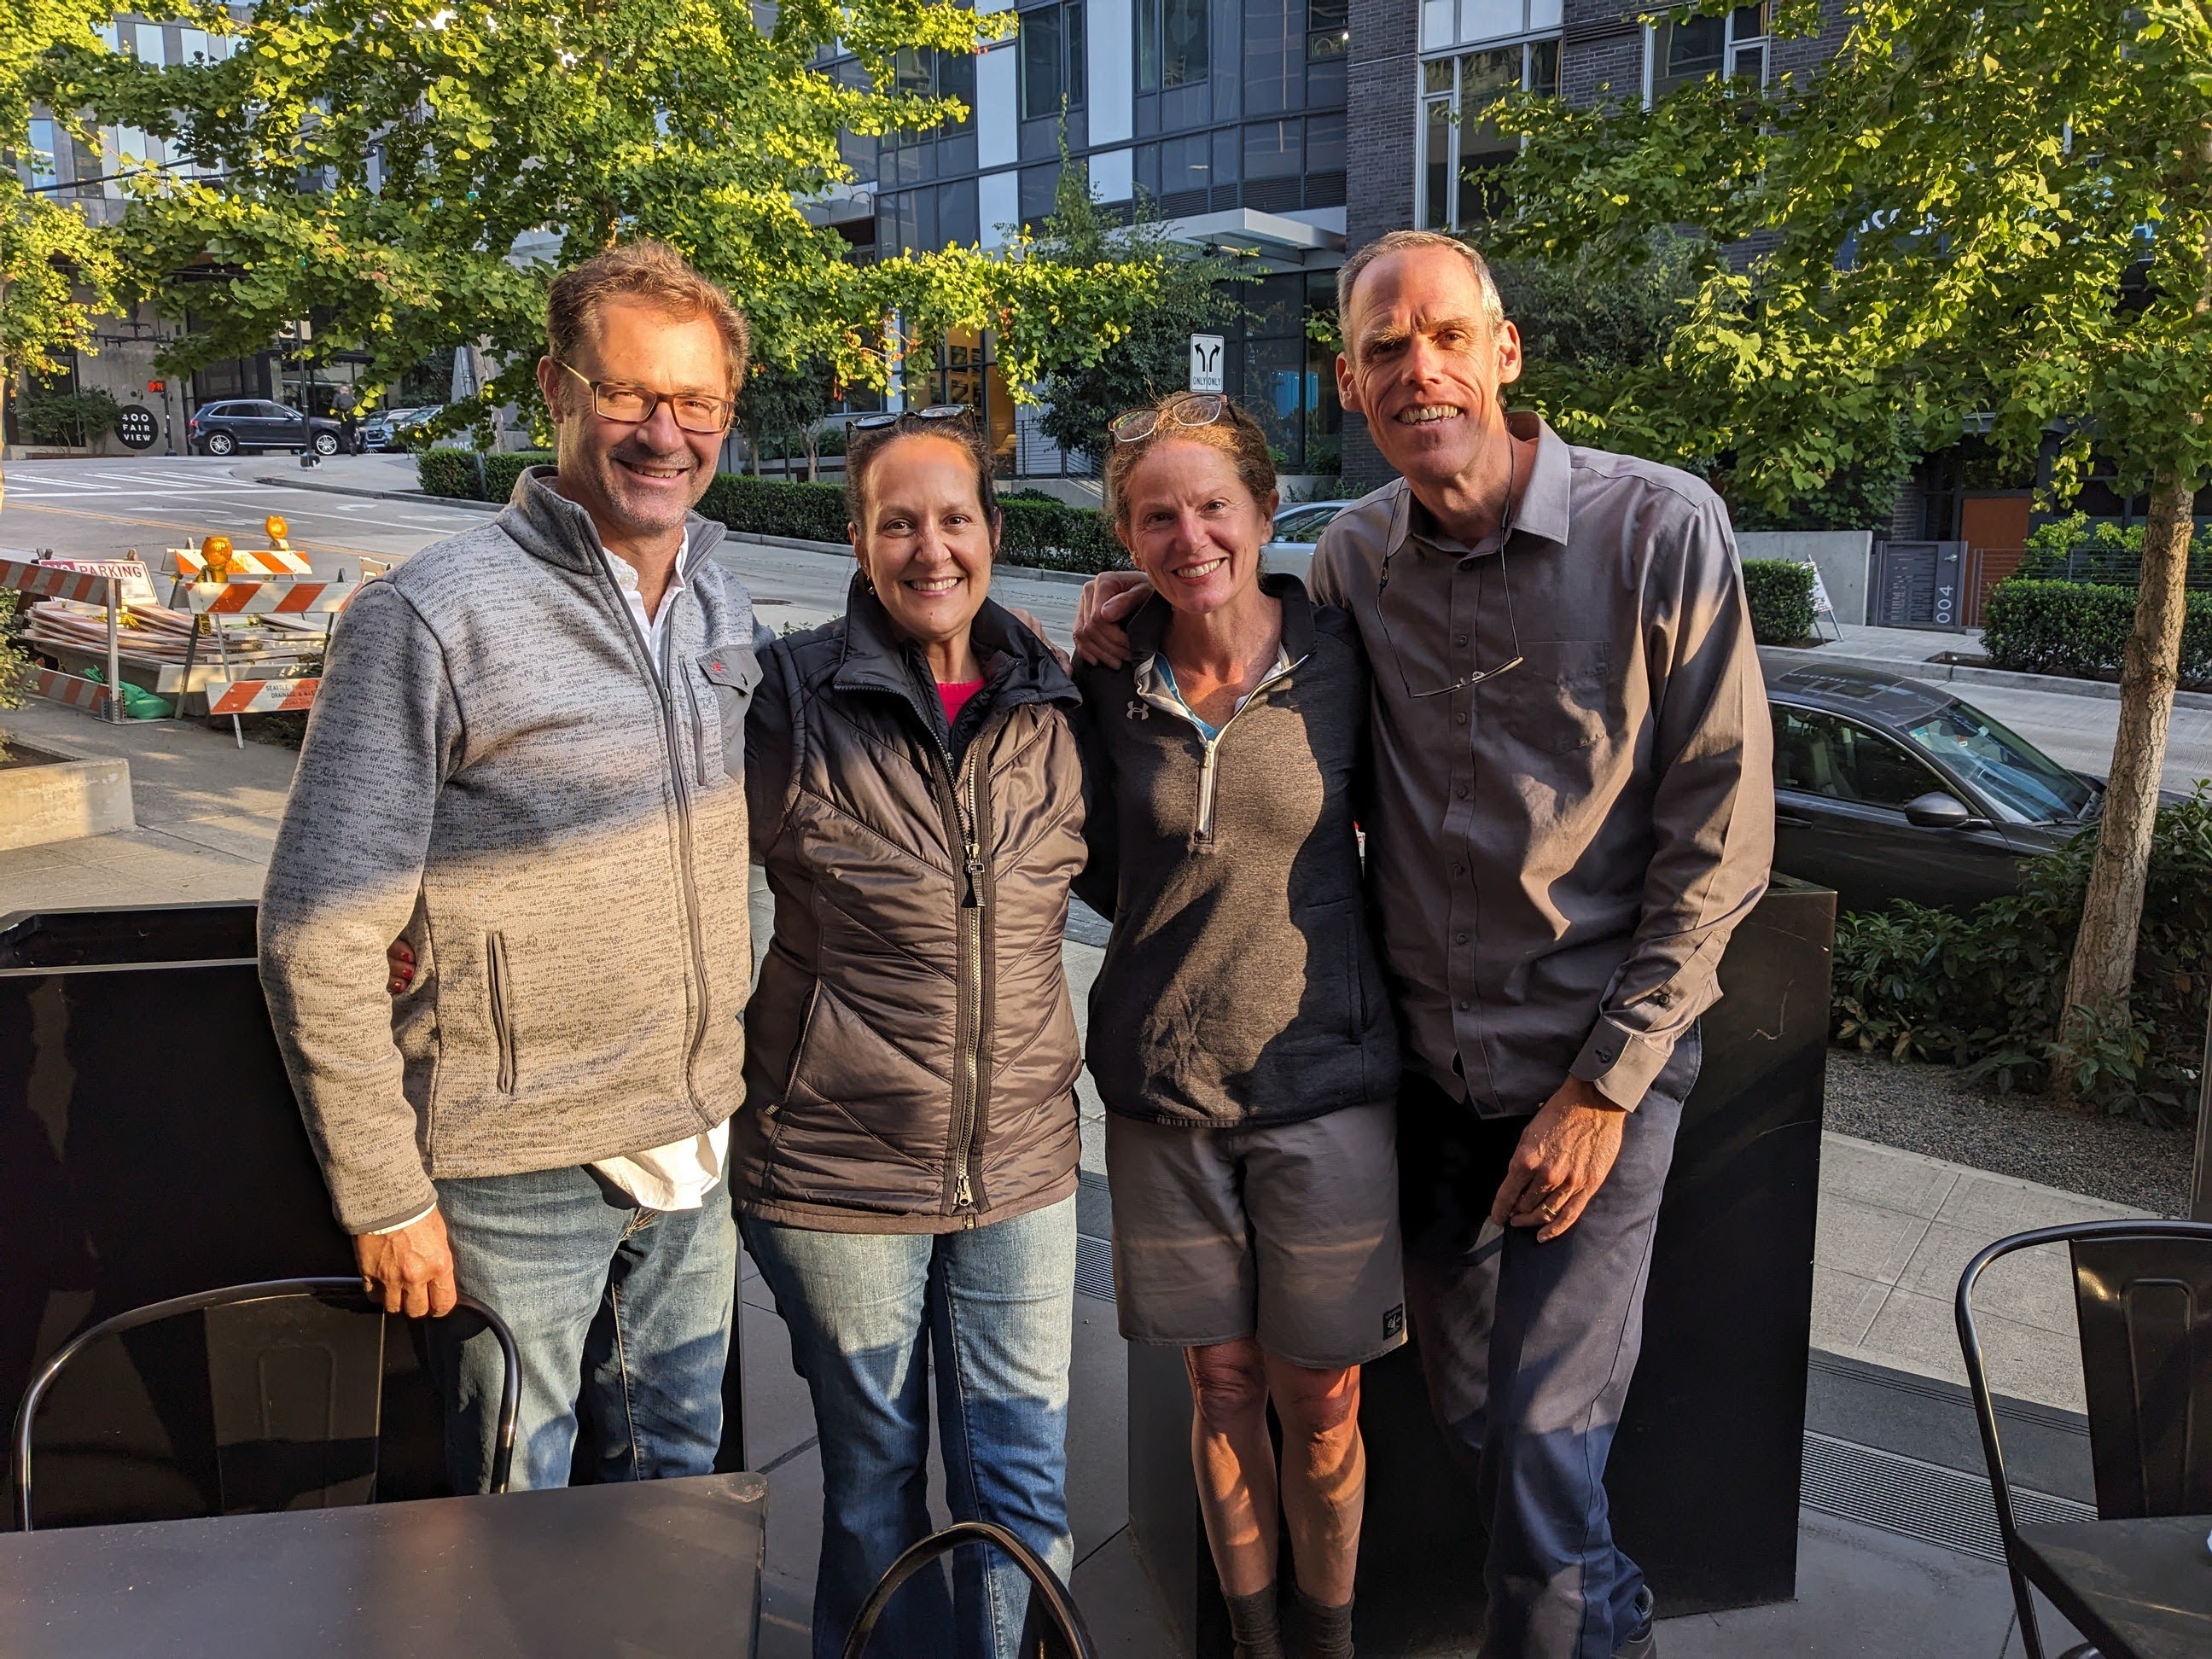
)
(1298, 527)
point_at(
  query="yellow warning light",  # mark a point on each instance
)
(215, 555)
(277, 529)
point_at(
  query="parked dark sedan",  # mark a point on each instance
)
(243, 423)
(1887, 788)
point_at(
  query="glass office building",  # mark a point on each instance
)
(1228, 114)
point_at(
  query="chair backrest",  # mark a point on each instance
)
(1054, 1628)
(2144, 1304)
(2142, 1298)
(295, 1372)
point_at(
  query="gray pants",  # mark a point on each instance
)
(1527, 1350)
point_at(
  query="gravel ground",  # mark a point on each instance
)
(1935, 1111)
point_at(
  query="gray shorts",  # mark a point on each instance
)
(1287, 1232)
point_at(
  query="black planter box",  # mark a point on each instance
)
(1703, 1477)
(150, 1146)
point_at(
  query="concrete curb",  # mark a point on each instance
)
(1966, 674)
(378, 494)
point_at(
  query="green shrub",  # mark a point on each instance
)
(14, 657)
(2077, 549)
(1985, 990)
(464, 475)
(773, 506)
(1781, 595)
(44, 416)
(1046, 534)
(2080, 628)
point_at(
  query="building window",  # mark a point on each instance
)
(1680, 50)
(1461, 153)
(1173, 39)
(963, 368)
(36, 166)
(1329, 48)
(1052, 60)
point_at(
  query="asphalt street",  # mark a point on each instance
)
(101, 508)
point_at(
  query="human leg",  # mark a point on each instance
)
(656, 1374)
(855, 1306)
(1233, 1455)
(536, 1247)
(1002, 1317)
(1324, 1481)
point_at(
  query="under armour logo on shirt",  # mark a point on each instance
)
(1138, 711)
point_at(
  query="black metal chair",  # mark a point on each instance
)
(2142, 1297)
(1054, 1628)
(260, 1468)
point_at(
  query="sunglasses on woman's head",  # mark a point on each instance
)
(892, 417)
(1193, 409)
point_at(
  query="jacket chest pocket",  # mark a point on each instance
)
(721, 683)
(1557, 700)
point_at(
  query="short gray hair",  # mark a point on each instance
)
(1397, 241)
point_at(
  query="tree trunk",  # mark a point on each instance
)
(813, 456)
(2103, 969)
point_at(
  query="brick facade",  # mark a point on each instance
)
(1381, 109)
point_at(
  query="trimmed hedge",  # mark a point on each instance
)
(1050, 535)
(1040, 531)
(464, 475)
(2081, 629)
(1781, 595)
(772, 507)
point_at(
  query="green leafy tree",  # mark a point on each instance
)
(57, 271)
(783, 406)
(2003, 209)
(410, 173)
(1195, 294)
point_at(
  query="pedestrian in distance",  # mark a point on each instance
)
(1572, 808)
(1240, 1035)
(524, 734)
(906, 1174)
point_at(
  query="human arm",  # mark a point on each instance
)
(1108, 600)
(1712, 808)
(343, 882)
(771, 735)
(1100, 883)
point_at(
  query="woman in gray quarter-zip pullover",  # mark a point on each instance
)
(905, 1171)
(1240, 1033)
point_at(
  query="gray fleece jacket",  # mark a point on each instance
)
(1242, 986)
(495, 772)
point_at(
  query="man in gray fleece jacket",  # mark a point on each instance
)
(519, 767)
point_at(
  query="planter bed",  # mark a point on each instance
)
(46, 796)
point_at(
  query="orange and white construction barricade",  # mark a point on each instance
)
(79, 581)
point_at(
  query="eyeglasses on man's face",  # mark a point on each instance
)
(633, 405)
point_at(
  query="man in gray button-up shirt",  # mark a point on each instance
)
(1573, 807)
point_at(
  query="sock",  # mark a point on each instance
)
(1253, 1626)
(1324, 1632)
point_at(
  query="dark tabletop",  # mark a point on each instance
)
(646, 1568)
(2140, 1589)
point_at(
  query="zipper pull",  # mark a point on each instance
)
(964, 1196)
(974, 867)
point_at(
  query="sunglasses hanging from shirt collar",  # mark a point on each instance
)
(1477, 676)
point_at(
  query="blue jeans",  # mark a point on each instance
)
(993, 1311)
(633, 1304)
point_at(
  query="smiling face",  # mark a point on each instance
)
(924, 539)
(637, 481)
(1192, 525)
(1424, 362)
